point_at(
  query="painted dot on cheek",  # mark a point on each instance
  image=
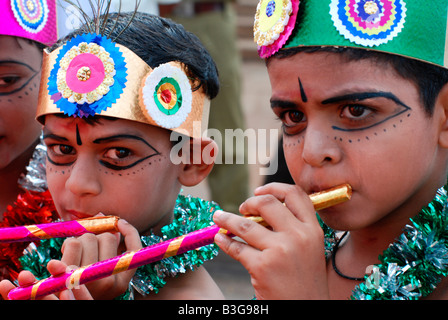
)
(375, 134)
(134, 172)
(292, 144)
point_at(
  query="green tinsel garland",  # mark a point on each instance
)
(190, 214)
(414, 264)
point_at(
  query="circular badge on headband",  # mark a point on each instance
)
(273, 25)
(270, 20)
(88, 76)
(368, 22)
(32, 15)
(167, 96)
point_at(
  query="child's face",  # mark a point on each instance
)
(117, 167)
(20, 63)
(359, 123)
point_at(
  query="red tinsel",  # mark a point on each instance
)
(30, 208)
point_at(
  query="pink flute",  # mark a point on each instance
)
(169, 248)
(72, 228)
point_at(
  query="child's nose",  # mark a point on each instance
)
(83, 178)
(320, 149)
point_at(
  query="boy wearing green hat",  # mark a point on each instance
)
(361, 90)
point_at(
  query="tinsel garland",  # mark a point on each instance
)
(412, 266)
(30, 208)
(35, 178)
(190, 214)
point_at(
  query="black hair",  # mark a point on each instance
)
(158, 40)
(429, 78)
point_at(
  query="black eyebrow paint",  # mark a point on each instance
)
(302, 92)
(78, 136)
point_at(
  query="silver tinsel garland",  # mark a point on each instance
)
(412, 266)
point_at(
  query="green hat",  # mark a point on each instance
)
(412, 28)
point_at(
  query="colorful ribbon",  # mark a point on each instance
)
(71, 228)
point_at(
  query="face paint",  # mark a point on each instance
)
(357, 111)
(351, 112)
(14, 76)
(58, 147)
(78, 136)
(121, 153)
(121, 168)
(302, 92)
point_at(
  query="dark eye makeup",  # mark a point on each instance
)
(117, 152)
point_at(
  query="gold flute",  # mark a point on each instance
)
(322, 199)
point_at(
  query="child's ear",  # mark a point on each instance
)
(202, 158)
(442, 100)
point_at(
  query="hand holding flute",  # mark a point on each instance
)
(150, 254)
(286, 261)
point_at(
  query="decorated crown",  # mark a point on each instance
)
(30, 19)
(91, 75)
(411, 28)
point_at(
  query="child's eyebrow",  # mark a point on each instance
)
(3, 62)
(359, 96)
(282, 104)
(121, 137)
